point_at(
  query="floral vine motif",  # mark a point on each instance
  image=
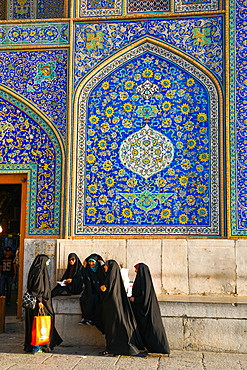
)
(122, 121)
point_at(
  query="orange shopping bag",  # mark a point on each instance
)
(41, 330)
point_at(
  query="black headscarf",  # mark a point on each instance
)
(74, 272)
(39, 285)
(122, 335)
(147, 312)
(90, 299)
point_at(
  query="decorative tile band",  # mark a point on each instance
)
(200, 38)
(28, 143)
(21, 34)
(238, 122)
(147, 151)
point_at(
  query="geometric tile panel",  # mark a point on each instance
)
(195, 5)
(238, 121)
(3, 9)
(24, 9)
(200, 38)
(147, 150)
(28, 144)
(50, 9)
(151, 6)
(100, 8)
(41, 77)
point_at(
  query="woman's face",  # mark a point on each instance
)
(72, 260)
(92, 263)
(136, 270)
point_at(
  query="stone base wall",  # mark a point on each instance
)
(178, 266)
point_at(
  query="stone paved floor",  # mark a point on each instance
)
(76, 358)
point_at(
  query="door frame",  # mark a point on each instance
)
(19, 178)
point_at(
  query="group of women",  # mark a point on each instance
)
(131, 325)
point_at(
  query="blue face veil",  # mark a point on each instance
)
(94, 268)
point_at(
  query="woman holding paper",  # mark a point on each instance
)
(72, 280)
(39, 285)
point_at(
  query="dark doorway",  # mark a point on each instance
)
(10, 211)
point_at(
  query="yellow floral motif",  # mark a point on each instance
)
(109, 111)
(191, 143)
(110, 181)
(132, 182)
(189, 125)
(170, 94)
(91, 211)
(202, 212)
(126, 212)
(160, 182)
(93, 188)
(93, 119)
(203, 157)
(127, 123)
(109, 218)
(103, 200)
(128, 107)
(185, 164)
(179, 145)
(166, 105)
(105, 85)
(129, 85)
(183, 219)
(102, 144)
(190, 200)
(167, 122)
(107, 165)
(105, 127)
(190, 82)
(183, 180)
(201, 117)
(91, 158)
(185, 109)
(124, 95)
(165, 213)
(171, 172)
(166, 83)
(147, 73)
(201, 188)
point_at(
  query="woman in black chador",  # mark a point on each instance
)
(72, 278)
(90, 298)
(122, 336)
(39, 285)
(147, 312)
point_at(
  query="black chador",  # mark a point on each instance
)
(147, 312)
(73, 274)
(39, 285)
(122, 337)
(90, 298)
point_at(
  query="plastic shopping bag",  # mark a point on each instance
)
(41, 330)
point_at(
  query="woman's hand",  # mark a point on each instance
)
(103, 288)
(41, 305)
(68, 281)
(132, 299)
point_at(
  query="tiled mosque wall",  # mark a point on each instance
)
(123, 125)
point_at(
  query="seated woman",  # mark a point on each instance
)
(72, 278)
(90, 298)
(122, 336)
(147, 312)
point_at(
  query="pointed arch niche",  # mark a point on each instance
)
(147, 146)
(29, 144)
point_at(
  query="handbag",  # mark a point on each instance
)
(28, 300)
(41, 329)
